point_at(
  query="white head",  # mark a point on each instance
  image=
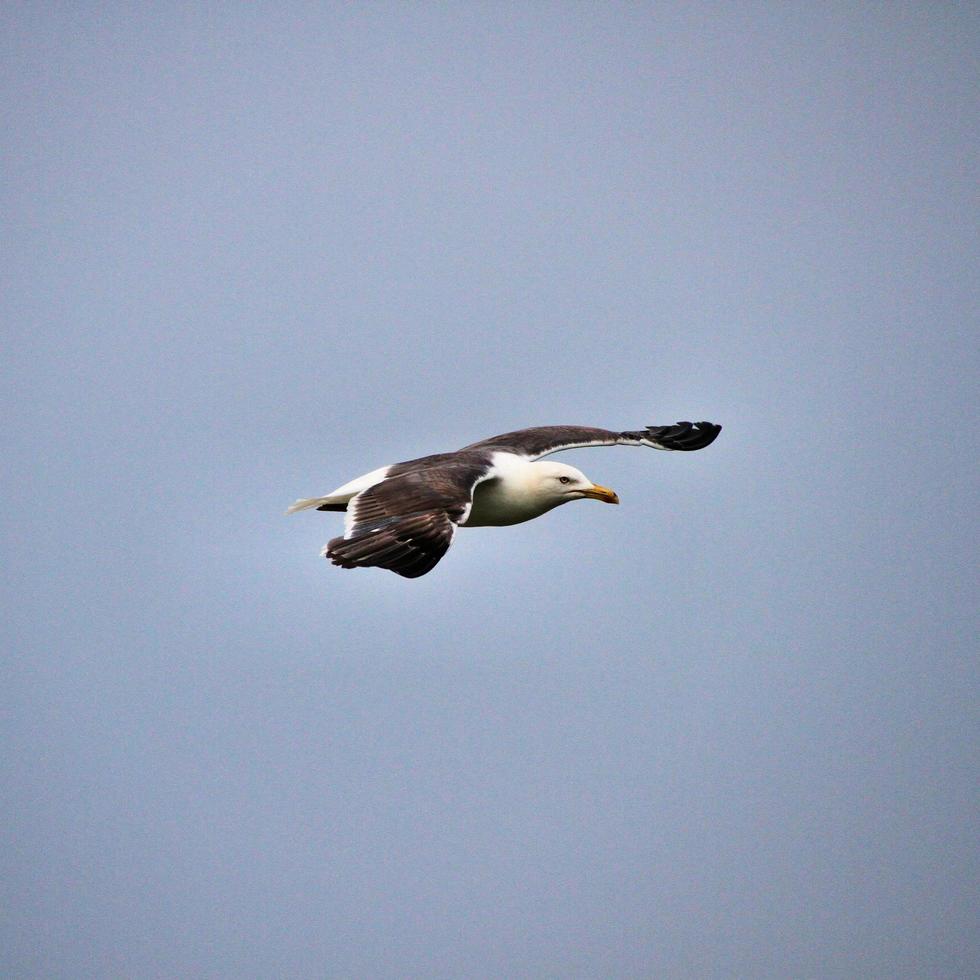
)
(557, 483)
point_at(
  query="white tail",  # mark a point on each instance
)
(308, 503)
(342, 495)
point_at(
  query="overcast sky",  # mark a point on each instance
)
(727, 729)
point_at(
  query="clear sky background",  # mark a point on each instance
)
(727, 729)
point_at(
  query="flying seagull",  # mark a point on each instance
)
(403, 517)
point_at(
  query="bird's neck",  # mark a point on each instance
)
(511, 497)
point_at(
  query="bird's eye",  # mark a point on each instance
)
(564, 479)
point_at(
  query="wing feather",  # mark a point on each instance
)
(406, 523)
(534, 443)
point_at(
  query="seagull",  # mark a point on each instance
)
(403, 517)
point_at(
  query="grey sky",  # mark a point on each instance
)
(727, 729)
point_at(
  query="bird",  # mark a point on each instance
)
(403, 517)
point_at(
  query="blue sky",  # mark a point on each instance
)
(725, 729)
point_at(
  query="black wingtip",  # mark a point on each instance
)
(684, 436)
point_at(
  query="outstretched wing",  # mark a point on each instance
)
(534, 443)
(406, 523)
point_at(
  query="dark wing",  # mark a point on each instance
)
(534, 443)
(406, 523)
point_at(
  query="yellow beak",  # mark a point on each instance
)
(602, 493)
